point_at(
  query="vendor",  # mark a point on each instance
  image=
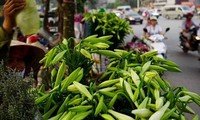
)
(24, 56)
(11, 7)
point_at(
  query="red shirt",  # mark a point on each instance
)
(188, 23)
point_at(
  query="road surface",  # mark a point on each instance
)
(189, 64)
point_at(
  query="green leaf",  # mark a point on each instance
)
(145, 67)
(58, 57)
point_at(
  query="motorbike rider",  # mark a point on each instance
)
(154, 37)
(186, 25)
(153, 28)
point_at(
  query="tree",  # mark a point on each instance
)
(69, 11)
(66, 11)
(60, 16)
(67, 7)
(45, 22)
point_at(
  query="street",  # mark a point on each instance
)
(189, 64)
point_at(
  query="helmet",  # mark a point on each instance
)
(189, 14)
(153, 18)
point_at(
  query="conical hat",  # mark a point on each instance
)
(35, 50)
(31, 54)
(35, 45)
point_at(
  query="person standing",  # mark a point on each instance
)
(82, 26)
(77, 26)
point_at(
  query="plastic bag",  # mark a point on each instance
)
(28, 19)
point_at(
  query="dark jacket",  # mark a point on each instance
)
(5, 40)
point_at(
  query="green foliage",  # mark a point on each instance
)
(108, 24)
(16, 97)
(131, 88)
(73, 58)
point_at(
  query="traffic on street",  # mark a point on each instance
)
(188, 62)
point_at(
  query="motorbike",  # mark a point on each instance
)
(156, 43)
(192, 44)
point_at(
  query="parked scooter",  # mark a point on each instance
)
(192, 44)
(156, 43)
